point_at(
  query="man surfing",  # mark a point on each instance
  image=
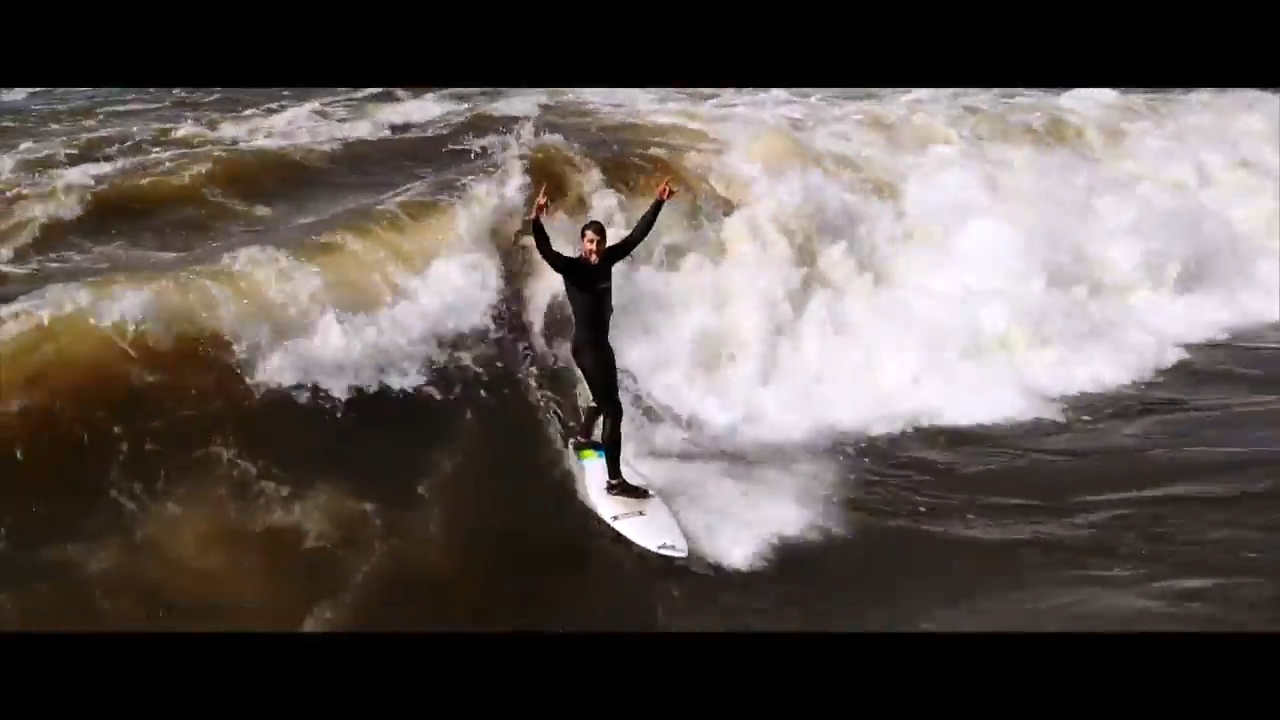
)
(588, 283)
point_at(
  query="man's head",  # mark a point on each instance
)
(593, 241)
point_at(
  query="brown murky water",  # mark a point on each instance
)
(272, 361)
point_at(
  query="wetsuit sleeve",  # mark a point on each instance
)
(617, 253)
(542, 242)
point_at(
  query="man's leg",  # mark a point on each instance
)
(588, 363)
(601, 373)
(590, 417)
(610, 403)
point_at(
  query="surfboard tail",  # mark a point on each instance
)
(591, 448)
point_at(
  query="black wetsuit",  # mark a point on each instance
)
(590, 291)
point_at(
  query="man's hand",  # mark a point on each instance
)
(665, 191)
(540, 204)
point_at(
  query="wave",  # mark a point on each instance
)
(836, 268)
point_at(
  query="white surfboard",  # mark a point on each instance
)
(648, 523)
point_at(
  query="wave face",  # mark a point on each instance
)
(271, 358)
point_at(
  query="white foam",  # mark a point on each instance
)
(339, 351)
(15, 94)
(524, 105)
(315, 123)
(324, 123)
(1005, 276)
(1025, 250)
(453, 295)
(290, 333)
(59, 194)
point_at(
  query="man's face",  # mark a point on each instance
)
(592, 246)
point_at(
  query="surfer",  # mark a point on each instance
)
(589, 285)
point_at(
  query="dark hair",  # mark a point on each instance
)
(594, 226)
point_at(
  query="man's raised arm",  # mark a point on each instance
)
(541, 240)
(617, 253)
